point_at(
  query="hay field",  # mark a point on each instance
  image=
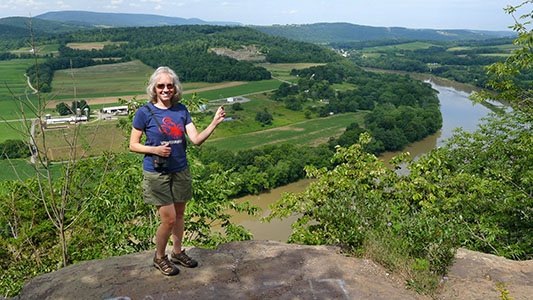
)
(92, 45)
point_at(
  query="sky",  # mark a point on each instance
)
(432, 14)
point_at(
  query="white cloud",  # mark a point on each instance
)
(158, 7)
(63, 5)
(290, 12)
(225, 3)
(115, 2)
(134, 4)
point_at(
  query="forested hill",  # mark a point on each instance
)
(343, 32)
(188, 49)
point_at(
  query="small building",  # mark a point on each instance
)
(230, 100)
(61, 120)
(116, 110)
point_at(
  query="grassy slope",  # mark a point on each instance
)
(310, 132)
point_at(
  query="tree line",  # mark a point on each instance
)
(403, 110)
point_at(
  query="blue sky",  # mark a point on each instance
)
(434, 14)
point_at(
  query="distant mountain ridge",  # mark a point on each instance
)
(345, 32)
(16, 27)
(62, 21)
(124, 19)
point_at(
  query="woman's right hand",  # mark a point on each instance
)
(163, 150)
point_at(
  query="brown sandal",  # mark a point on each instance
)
(183, 259)
(165, 266)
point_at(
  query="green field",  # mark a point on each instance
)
(310, 132)
(13, 81)
(507, 47)
(244, 120)
(119, 79)
(282, 71)
(113, 80)
(23, 168)
(12, 77)
(10, 131)
(244, 89)
(405, 46)
(41, 50)
(496, 54)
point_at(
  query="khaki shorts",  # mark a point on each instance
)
(164, 189)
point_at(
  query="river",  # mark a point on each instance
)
(457, 111)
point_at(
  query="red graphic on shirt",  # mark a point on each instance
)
(173, 130)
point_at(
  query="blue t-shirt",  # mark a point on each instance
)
(173, 121)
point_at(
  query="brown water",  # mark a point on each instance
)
(276, 230)
(457, 111)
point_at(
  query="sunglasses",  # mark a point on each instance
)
(162, 86)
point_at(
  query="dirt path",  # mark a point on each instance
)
(29, 83)
(106, 100)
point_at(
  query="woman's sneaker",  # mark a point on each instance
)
(183, 259)
(165, 266)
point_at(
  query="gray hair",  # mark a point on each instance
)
(150, 89)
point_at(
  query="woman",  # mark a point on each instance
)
(170, 188)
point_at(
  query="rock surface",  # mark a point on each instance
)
(476, 275)
(272, 270)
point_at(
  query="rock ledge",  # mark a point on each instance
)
(271, 270)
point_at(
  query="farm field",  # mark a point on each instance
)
(244, 120)
(102, 80)
(12, 74)
(405, 46)
(94, 137)
(309, 132)
(41, 50)
(10, 131)
(92, 45)
(282, 71)
(245, 89)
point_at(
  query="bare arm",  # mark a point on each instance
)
(136, 146)
(199, 138)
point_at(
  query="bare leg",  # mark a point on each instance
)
(167, 214)
(179, 225)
